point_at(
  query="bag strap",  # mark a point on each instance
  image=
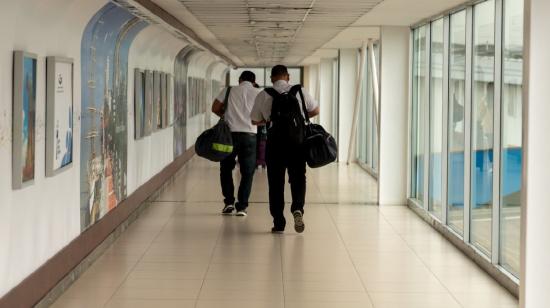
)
(226, 101)
(297, 89)
(272, 92)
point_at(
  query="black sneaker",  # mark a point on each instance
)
(228, 209)
(276, 230)
(299, 225)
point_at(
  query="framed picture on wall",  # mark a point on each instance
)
(170, 96)
(24, 119)
(190, 94)
(139, 104)
(59, 114)
(157, 120)
(163, 102)
(148, 103)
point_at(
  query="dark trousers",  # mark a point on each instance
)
(244, 148)
(281, 158)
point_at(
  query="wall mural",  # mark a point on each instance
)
(105, 47)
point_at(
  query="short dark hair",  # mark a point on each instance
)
(279, 70)
(248, 76)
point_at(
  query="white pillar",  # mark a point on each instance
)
(394, 88)
(535, 258)
(348, 76)
(326, 94)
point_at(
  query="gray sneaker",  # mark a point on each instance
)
(299, 225)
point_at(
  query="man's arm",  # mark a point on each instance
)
(259, 123)
(218, 108)
(314, 112)
(311, 105)
(256, 115)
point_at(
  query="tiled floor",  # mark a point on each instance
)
(182, 253)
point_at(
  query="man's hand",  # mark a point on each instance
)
(218, 108)
(314, 112)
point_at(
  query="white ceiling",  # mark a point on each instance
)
(261, 32)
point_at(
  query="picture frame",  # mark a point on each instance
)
(148, 103)
(25, 67)
(139, 104)
(157, 112)
(171, 99)
(163, 102)
(59, 114)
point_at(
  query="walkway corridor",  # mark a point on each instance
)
(353, 254)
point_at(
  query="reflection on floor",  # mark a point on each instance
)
(182, 253)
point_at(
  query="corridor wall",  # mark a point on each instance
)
(153, 49)
(40, 220)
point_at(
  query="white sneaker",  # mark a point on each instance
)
(241, 213)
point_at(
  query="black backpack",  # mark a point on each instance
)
(287, 121)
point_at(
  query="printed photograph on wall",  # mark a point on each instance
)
(104, 132)
(190, 95)
(24, 119)
(139, 104)
(59, 114)
(148, 92)
(170, 99)
(163, 102)
(157, 109)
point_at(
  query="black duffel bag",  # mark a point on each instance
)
(216, 143)
(319, 146)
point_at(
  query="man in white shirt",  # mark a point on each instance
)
(281, 153)
(240, 101)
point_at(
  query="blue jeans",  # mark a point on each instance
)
(244, 148)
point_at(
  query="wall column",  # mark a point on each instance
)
(535, 252)
(394, 94)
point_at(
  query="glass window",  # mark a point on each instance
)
(511, 117)
(363, 125)
(482, 125)
(436, 117)
(419, 102)
(457, 91)
(374, 112)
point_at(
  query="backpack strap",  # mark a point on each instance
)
(297, 89)
(272, 92)
(226, 100)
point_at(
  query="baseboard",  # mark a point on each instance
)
(51, 279)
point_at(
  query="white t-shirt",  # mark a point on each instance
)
(264, 101)
(241, 100)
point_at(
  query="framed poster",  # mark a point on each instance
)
(59, 114)
(163, 102)
(170, 95)
(24, 119)
(139, 104)
(148, 103)
(157, 121)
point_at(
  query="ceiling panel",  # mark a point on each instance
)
(261, 32)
